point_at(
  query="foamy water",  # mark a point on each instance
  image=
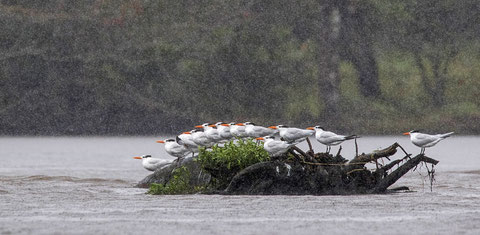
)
(85, 186)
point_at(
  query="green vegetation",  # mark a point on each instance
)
(223, 163)
(178, 184)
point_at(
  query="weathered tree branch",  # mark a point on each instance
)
(357, 161)
(402, 170)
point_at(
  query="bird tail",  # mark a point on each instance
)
(446, 135)
(351, 137)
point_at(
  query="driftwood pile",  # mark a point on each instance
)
(322, 173)
(309, 173)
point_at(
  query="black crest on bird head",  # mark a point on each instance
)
(319, 128)
(249, 123)
(282, 126)
(170, 140)
(146, 156)
(414, 131)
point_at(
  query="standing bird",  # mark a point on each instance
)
(257, 131)
(291, 134)
(174, 149)
(152, 164)
(237, 130)
(210, 132)
(223, 130)
(274, 147)
(329, 138)
(186, 140)
(201, 139)
(425, 140)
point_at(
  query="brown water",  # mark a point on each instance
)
(85, 186)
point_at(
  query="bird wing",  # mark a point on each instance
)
(295, 133)
(178, 150)
(423, 139)
(262, 131)
(156, 161)
(331, 137)
(275, 146)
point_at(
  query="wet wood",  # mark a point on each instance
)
(391, 178)
(318, 174)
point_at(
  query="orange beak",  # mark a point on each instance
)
(406, 133)
(273, 127)
(160, 141)
(186, 132)
(224, 124)
(213, 125)
(310, 128)
(240, 124)
(260, 138)
(137, 157)
(199, 126)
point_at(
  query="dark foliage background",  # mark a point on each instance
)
(150, 67)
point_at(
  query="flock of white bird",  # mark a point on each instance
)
(207, 135)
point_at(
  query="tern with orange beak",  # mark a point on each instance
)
(223, 130)
(210, 132)
(275, 148)
(257, 131)
(237, 130)
(425, 140)
(291, 134)
(152, 164)
(201, 139)
(174, 149)
(329, 138)
(186, 140)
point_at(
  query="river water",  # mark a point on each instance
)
(85, 185)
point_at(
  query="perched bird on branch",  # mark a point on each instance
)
(329, 138)
(425, 140)
(223, 130)
(186, 140)
(201, 139)
(291, 134)
(237, 130)
(274, 147)
(211, 132)
(174, 149)
(255, 131)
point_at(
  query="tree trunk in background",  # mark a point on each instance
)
(357, 45)
(328, 59)
(436, 85)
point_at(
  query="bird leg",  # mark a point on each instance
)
(177, 161)
(310, 151)
(339, 150)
